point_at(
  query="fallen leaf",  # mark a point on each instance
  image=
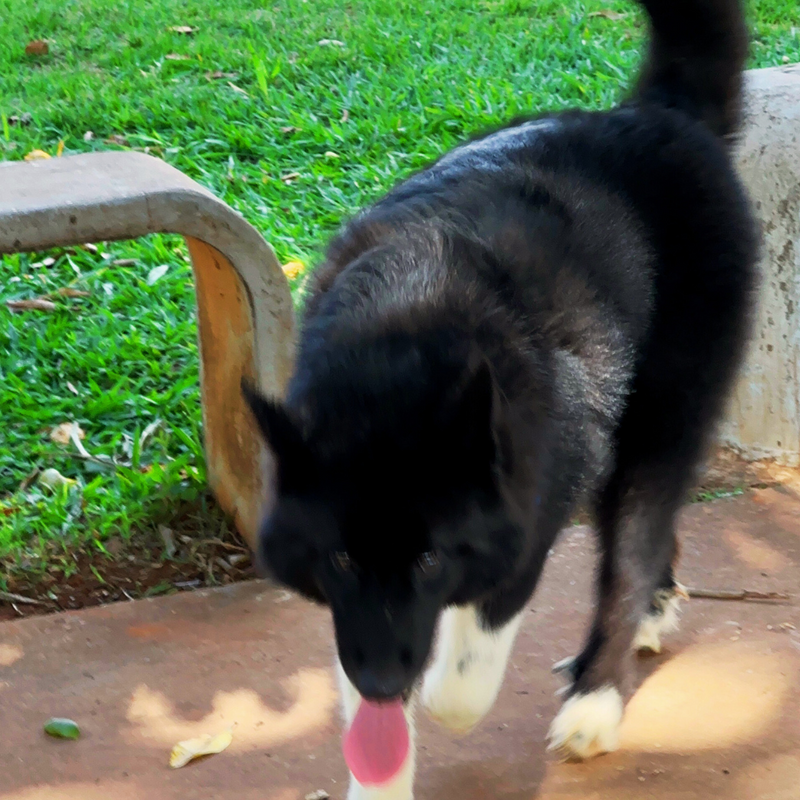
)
(156, 274)
(38, 47)
(608, 14)
(290, 129)
(35, 155)
(185, 30)
(293, 269)
(168, 538)
(53, 479)
(68, 291)
(62, 728)
(117, 138)
(207, 745)
(320, 794)
(45, 262)
(345, 116)
(88, 136)
(177, 57)
(335, 42)
(238, 89)
(72, 388)
(37, 304)
(331, 154)
(217, 75)
(91, 248)
(290, 176)
(124, 262)
(62, 433)
(60, 149)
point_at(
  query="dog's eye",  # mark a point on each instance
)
(341, 560)
(429, 564)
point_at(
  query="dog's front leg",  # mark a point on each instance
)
(468, 670)
(401, 786)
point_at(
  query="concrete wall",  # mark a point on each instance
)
(763, 420)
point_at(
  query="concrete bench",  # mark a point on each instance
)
(244, 308)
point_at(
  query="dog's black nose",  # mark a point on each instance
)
(384, 685)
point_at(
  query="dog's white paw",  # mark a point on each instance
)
(588, 724)
(661, 620)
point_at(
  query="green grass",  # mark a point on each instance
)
(344, 97)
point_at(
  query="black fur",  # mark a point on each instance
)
(548, 314)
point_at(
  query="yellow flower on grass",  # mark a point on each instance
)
(294, 269)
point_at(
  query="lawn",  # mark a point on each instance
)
(296, 113)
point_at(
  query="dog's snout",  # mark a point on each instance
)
(383, 685)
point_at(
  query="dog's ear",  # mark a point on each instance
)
(284, 437)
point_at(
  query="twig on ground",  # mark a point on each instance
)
(739, 594)
(147, 434)
(85, 454)
(12, 598)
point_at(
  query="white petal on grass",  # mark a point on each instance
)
(53, 479)
(156, 274)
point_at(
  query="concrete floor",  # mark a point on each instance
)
(717, 715)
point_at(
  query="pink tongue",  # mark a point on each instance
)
(376, 744)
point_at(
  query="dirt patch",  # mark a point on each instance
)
(199, 551)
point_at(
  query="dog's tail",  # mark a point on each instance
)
(695, 60)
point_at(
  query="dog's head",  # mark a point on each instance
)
(389, 506)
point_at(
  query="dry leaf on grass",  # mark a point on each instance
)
(36, 155)
(62, 433)
(117, 138)
(207, 745)
(60, 149)
(88, 136)
(36, 304)
(217, 75)
(68, 291)
(177, 57)
(185, 30)
(72, 388)
(334, 42)
(238, 89)
(608, 14)
(22, 119)
(290, 177)
(38, 47)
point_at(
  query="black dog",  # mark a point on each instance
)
(547, 315)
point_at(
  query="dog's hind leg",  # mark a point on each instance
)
(467, 673)
(401, 786)
(663, 615)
